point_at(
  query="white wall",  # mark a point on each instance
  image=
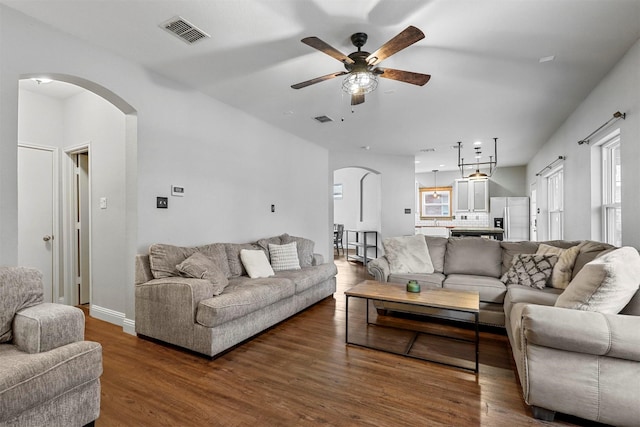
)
(397, 178)
(505, 182)
(232, 166)
(89, 119)
(618, 91)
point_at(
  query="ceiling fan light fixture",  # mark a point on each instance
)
(360, 83)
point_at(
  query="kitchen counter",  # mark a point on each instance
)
(493, 232)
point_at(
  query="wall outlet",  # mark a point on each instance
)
(103, 203)
(273, 208)
(162, 202)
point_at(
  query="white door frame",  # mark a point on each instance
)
(69, 223)
(55, 269)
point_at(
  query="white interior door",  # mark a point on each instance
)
(82, 226)
(36, 213)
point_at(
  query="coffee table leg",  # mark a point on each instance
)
(346, 321)
(367, 308)
(477, 343)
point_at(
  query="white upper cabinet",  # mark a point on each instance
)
(471, 195)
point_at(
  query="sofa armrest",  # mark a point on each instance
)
(46, 326)
(379, 269)
(578, 331)
(318, 259)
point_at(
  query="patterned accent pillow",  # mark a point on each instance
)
(530, 270)
(305, 248)
(199, 266)
(284, 257)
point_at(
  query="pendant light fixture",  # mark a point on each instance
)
(435, 184)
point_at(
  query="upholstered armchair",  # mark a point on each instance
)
(49, 376)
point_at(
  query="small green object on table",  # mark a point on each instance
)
(413, 286)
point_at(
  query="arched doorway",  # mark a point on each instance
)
(94, 133)
(357, 200)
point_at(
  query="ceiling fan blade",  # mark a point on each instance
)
(417, 79)
(357, 98)
(323, 47)
(406, 38)
(317, 80)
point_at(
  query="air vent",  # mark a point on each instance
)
(183, 29)
(428, 150)
(323, 119)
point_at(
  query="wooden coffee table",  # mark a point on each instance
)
(460, 301)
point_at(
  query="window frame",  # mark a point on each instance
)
(555, 201)
(611, 178)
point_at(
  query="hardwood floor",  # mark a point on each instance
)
(300, 372)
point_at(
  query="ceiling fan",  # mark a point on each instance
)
(362, 67)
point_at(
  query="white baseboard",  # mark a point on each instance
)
(129, 326)
(115, 317)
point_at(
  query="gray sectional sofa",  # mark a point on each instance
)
(574, 361)
(49, 376)
(185, 311)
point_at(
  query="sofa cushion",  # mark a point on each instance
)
(510, 249)
(305, 249)
(264, 243)
(31, 380)
(233, 257)
(309, 277)
(199, 266)
(433, 280)
(633, 308)
(284, 257)
(561, 275)
(589, 250)
(474, 256)
(605, 284)
(437, 248)
(255, 263)
(241, 297)
(489, 288)
(530, 270)
(408, 254)
(163, 258)
(20, 288)
(525, 294)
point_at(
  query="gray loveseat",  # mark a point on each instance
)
(583, 363)
(185, 311)
(49, 376)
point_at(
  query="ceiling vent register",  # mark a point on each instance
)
(323, 119)
(183, 29)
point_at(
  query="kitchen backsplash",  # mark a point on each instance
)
(473, 219)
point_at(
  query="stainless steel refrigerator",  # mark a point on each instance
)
(512, 215)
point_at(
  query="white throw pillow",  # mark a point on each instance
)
(284, 257)
(256, 263)
(408, 254)
(606, 284)
(562, 271)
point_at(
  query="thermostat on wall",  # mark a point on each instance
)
(177, 190)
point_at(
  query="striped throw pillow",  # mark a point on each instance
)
(284, 257)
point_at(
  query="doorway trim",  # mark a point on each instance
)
(55, 247)
(69, 225)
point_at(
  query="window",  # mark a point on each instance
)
(555, 198)
(435, 203)
(611, 192)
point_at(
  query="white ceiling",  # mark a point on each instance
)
(483, 56)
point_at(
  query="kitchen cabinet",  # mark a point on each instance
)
(471, 195)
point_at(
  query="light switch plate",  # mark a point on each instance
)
(103, 203)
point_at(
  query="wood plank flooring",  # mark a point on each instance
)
(301, 373)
